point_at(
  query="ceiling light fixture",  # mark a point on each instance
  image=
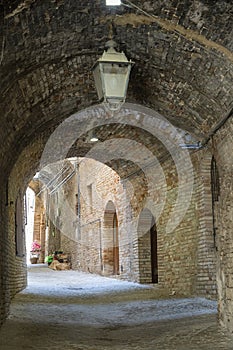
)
(111, 74)
(94, 139)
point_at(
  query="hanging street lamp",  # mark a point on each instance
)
(111, 75)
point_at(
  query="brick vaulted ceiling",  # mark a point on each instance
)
(182, 51)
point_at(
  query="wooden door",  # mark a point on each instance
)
(116, 269)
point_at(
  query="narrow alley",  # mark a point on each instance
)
(72, 310)
(116, 164)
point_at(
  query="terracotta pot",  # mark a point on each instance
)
(34, 260)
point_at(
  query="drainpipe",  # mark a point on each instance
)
(100, 251)
(77, 170)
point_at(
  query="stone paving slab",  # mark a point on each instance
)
(116, 318)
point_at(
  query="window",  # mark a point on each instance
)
(89, 197)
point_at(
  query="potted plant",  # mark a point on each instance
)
(49, 259)
(35, 252)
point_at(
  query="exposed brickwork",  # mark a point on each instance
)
(183, 70)
(206, 250)
(4, 269)
(183, 263)
(223, 144)
(181, 78)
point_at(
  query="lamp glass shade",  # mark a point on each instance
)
(111, 80)
(111, 75)
(115, 79)
(98, 81)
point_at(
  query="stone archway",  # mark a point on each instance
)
(147, 248)
(110, 241)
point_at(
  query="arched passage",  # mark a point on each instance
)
(110, 241)
(147, 248)
(183, 58)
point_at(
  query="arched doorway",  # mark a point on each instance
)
(116, 270)
(147, 248)
(110, 241)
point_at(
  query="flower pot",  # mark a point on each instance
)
(34, 260)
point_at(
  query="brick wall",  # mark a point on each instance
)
(186, 260)
(13, 272)
(12, 267)
(4, 259)
(206, 249)
(186, 256)
(223, 145)
(183, 62)
(178, 247)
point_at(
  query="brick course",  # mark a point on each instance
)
(183, 70)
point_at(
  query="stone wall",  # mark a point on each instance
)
(185, 256)
(12, 263)
(186, 259)
(223, 145)
(183, 61)
(177, 250)
(179, 41)
(4, 257)
(81, 205)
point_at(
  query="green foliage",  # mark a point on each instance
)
(49, 259)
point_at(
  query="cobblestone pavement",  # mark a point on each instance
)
(75, 311)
